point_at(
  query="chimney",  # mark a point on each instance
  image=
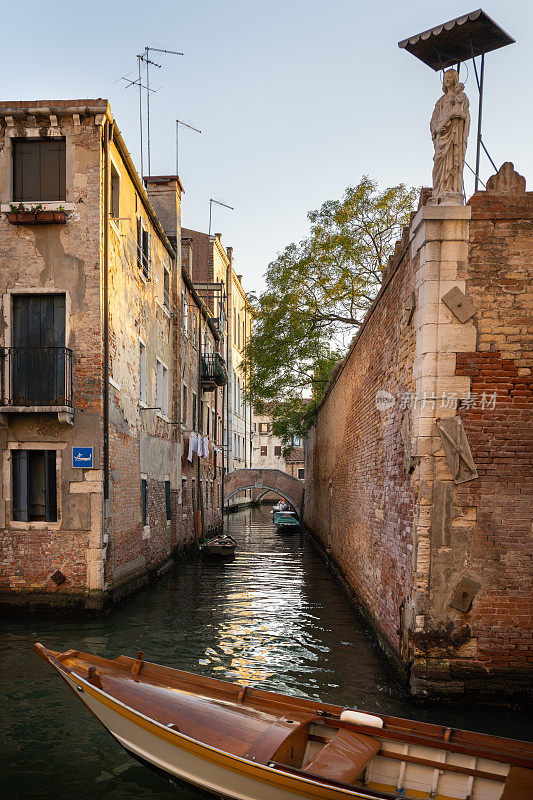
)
(229, 251)
(165, 192)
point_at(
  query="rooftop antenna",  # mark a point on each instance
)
(138, 82)
(145, 56)
(218, 203)
(448, 45)
(186, 125)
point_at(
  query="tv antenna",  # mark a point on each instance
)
(138, 82)
(145, 57)
(186, 125)
(218, 203)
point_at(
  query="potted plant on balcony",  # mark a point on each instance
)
(20, 215)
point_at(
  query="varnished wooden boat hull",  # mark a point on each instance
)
(153, 711)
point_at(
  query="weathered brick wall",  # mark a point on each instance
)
(499, 284)
(406, 543)
(62, 258)
(358, 497)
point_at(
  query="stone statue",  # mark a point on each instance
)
(449, 127)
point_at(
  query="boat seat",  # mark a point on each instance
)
(519, 784)
(344, 757)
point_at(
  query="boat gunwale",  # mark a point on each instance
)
(317, 782)
(473, 743)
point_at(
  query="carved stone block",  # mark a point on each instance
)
(459, 304)
(458, 453)
(464, 594)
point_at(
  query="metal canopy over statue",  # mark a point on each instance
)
(447, 45)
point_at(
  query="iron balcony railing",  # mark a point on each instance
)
(214, 370)
(36, 376)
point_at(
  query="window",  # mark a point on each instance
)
(144, 499)
(39, 360)
(142, 372)
(184, 313)
(296, 441)
(277, 450)
(184, 394)
(264, 450)
(301, 474)
(168, 504)
(193, 410)
(143, 249)
(213, 426)
(39, 169)
(207, 420)
(162, 388)
(201, 418)
(115, 192)
(34, 482)
(166, 287)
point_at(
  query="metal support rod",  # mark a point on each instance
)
(479, 117)
(141, 112)
(147, 108)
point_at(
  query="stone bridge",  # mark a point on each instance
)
(270, 480)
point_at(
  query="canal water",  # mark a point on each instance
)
(273, 617)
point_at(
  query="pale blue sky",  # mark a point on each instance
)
(296, 99)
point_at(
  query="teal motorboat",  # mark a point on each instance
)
(286, 521)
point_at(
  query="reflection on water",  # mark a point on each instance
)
(271, 617)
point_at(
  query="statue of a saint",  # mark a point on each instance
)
(449, 127)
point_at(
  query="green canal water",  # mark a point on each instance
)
(273, 617)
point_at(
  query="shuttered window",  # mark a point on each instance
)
(39, 170)
(34, 483)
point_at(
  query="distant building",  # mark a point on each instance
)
(268, 449)
(101, 332)
(210, 266)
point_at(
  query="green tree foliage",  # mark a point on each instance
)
(317, 291)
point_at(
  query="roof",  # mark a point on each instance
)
(457, 40)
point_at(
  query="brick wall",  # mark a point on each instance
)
(498, 274)
(403, 526)
(358, 497)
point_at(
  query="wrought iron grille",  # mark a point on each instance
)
(36, 376)
(214, 369)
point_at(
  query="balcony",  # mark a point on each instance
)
(36, 379)
(213, 372)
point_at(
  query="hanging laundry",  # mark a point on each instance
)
(206, 447)
(192, 445)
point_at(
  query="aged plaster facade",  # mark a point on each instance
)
(268, 449)
(419, 465)
(210, 264)
(90, 298)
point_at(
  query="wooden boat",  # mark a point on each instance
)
(249, 744)
(286, 521)
(222, 546)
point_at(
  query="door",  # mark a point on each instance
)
(38, 366)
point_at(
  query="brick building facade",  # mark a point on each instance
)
(419, 465)
(92, 360)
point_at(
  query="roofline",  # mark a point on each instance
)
(63, 108)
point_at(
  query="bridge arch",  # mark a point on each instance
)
(271, 480)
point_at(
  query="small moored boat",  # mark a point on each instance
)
(222, 546)
(249, 744)
(286, 521)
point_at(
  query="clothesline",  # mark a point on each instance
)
(200, 445)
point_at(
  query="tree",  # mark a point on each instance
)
(317, 291)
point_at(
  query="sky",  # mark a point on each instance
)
(296, 99)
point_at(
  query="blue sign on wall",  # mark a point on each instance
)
(82, 457)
